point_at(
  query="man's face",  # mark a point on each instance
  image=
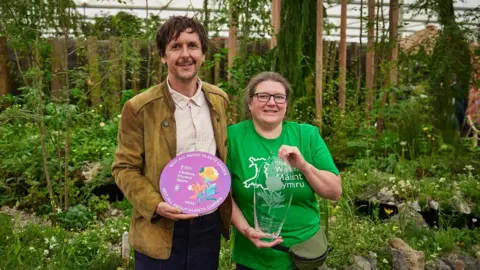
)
(184, 56)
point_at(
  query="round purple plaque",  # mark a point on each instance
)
(195, 182)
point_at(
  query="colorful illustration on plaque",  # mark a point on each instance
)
(206, 188)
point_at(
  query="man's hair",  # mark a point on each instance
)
(173, 27)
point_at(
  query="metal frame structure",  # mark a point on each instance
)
(409, 23)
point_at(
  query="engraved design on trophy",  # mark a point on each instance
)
(271, 199)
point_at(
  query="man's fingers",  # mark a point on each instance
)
(168, 208)
(184, 216)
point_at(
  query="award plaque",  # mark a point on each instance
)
(271, 200)
(195, 182)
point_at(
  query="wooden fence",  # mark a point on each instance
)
(111, 66)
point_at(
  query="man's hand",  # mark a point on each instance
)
(255, 237)
(168, 211)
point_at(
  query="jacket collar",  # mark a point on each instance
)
(163, 92)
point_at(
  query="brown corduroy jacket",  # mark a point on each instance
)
(146, 143)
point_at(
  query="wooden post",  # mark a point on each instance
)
(232, 52)
(232, 38)
(4, 73)
(217, 73)
(124, 45)
(93, 72)
(276, 16)
(370, 65)
(342, 55)
(158, 67)
(326, 51)
(393, 36)
(136, 72)
(125, 247)
(112, 99)
(58, 67)
(319, 66)
(332, 61)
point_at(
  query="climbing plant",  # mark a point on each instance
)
(449, 67)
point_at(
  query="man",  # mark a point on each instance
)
(181, 114)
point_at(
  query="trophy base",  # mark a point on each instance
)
(270, 237)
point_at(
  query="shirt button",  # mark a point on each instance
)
(165, 123)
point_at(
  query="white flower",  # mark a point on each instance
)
(391, 179)
(423, 96)
(384, 260)
(102, 124)
(119, 116)
(474, 220)
(46, 240)
(45, 252)
(189, 187)
(59, 210)
(403, 143)
(53, 239)
(31, 248)
(442, 180)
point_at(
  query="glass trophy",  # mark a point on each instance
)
(271, 201)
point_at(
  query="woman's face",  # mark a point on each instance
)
(269, 104)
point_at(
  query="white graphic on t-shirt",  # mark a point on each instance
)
(294, 180)
(256, 163)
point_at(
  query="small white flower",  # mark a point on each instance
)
(119, 116)
(102, 124)
(100, 105)
(59, 210)
(403, 143)
(384, 260)
(442, 180)
(46, 240)
(474, 220)
(45, 252)
(423, 96)
(391, 179)
(31, 248)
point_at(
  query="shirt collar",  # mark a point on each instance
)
(181, 100)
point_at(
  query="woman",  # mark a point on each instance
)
(264, 135)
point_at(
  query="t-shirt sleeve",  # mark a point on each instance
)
(321, 157)
(229, 148)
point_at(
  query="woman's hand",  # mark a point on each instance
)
(292, 155)
(256, 236)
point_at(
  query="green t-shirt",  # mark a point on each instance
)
(247, 151)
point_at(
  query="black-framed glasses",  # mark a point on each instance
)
(265, 97)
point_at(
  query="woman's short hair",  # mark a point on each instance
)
(249, 91)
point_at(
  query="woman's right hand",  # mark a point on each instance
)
(255, 237)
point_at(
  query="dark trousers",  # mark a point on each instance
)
(195, 246)
(242, 267)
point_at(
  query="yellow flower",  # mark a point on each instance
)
(388, 211)
(394, 228)
(425, 129)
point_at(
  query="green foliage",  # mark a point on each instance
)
(41, 247)
(294, 55)
(77, 217)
